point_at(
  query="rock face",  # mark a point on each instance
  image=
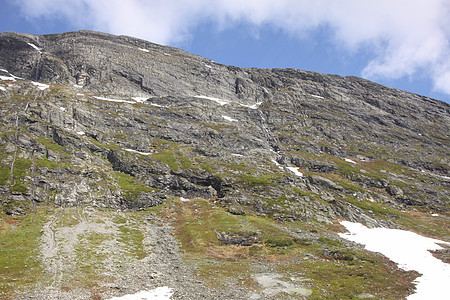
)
(126, 123)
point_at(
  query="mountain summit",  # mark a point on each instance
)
(239, 164)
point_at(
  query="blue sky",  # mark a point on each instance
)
(402, 43)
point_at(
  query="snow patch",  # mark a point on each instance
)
(41, 86)
(295, 171)
(316, 96)
(139, 99)
(237, 155)
(7, 78)
(184, 199)
(144, 50)
(80, 94)
(113, 100)
(254, 106)
(81, 133)
(208, 66)
(276, 163)
(350, 161)
(138, 152)
(35, 47)
(157, 105)
(167, 54)
(160, 293)
(62, 108)
(411, 252)
(220, 101)
(434, 215)
(2, 88)
(10, 77)
(229, 119)
(78, 86)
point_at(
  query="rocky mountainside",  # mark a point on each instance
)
(242, 164)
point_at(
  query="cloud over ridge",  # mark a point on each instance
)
(405, 36)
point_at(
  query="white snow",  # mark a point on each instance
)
(139, 152)
(78, 86)
(184, 199)
(80, 94)
(62, 108)
(113, 100)
(229, 119)
(276, 163)
(254, 106)
(41, 86)
(237, 155)
(160, 293)
(220, 101)
(208, 66)
(157, 105)
(349, 160)
(295, 171)
(10, 77)
(81, 133)
(167, 54)
(2, 88)
(139, 99)
(410, 251)
(144, 50)
(315, 96)
(35, 47)
(7, 78)
(434, 215)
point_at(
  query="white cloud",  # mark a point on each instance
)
(406, 36)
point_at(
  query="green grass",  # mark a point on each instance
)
(19, 260)
(4, 175)
(133, 239)
(50, 144)
(303, 193)
(253, 181)
(329, 242)
(20, 170)
(210, 168)
(338, 273)
(168, 158)
(130, 186)
(45, 163)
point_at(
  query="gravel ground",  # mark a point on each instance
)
(162, 267)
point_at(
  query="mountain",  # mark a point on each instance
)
(128, 165)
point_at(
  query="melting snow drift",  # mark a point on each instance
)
(295, 171)
(349, 160)
(220, 101)
(411, 252)
(160, 293)
(35, 47)
(138, 152)
(229, 119)
(41, 86)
